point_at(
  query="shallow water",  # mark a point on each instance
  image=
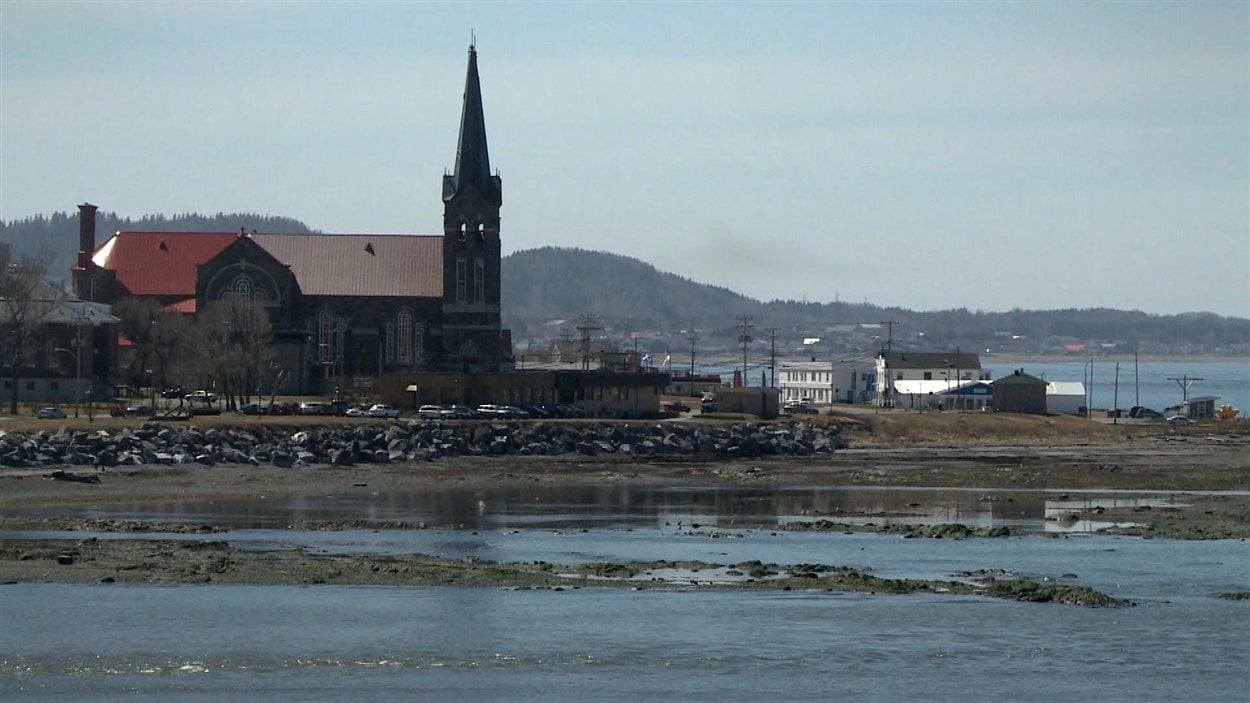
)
(327, 643)
(246, 643)
(567, 507)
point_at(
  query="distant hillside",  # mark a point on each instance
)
(546, 284)
(627, 295)
(57, 236)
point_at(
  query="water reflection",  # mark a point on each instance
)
(590, 507)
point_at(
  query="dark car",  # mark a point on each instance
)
(50, 413)
(140, 410)
(676, 406)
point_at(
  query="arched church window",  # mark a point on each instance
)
(403, 328)
(242, 288)
(328, 339)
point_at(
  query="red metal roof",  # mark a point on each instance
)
(185, 306)
(160, 263)
(369, 265)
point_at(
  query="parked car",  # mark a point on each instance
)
(285, 407)
(140, 410)
(463, 412)
(430, 412)
(1181, 420)
(487, 410)
(801, 407)
(676, 406)
(357, 411)
(381, 410)
(50, 413)
(316, 408)
(172, 392)
(201, 396)
(251, 409)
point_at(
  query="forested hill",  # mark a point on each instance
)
(57, 236)
(547, 285)
(541, 285)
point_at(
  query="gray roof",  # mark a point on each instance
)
(365, 265)
(932, 360)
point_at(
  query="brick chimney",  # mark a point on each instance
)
(86, 233)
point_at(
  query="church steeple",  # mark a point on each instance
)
(472, 156)
(473, 338)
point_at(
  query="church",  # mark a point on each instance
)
(342, 306)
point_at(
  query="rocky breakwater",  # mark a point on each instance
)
(154, 443)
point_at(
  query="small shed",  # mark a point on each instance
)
(764, 402)
(1065, 397)
(1020, 393)
(1200, 408)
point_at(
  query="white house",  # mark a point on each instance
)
(834, 381)
(949, 368)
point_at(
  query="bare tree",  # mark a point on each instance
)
(138, 324)
(239, 335)
(26, 300)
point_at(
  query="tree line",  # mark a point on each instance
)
(548, 284)
(55, 236)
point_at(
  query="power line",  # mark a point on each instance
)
(744, 324)
(772, 346)
(587, 324)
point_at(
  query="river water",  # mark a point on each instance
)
(111, 642)
(1152, 384)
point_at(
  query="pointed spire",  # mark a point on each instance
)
(472, 156)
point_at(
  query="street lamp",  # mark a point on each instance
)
(77, 354)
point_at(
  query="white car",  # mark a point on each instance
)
(430, 412)
(381, 410)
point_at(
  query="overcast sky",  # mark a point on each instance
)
(931, 155)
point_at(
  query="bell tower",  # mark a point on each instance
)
(473, 340)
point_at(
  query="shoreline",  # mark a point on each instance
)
(1198, 480)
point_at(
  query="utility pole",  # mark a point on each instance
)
(889, 340)
(772, 346)
(1185, 382)
(586, 325)
(693, 339)
(744, 324)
